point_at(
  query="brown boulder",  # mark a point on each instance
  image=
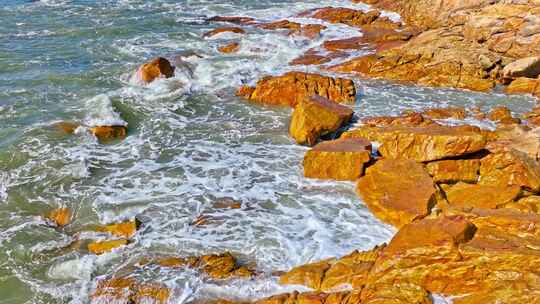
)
(397, 293)
(341, 159)
(464, 195)
(512, 168)
(107, 133)
(397, 191)
(156, 68)
(308, 30)
(293, 87)
(500, 113)
(452, 171)
(426, 143)
(232, 29)
(309, 275)
(66, 126)
(310, 59)
(317, 116)
(229, 48)
(354, 43)
(59, 217)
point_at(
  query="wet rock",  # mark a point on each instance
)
(290, 88)
(229, 48)
(452, 171)
(156, 68)
(397, 191)
(236, 30)
(232, 19)
(422, 144)
(512, 168)
(311, 31)
(500, 114)
(310, 59)
(317, 116)
(59, 217)
(107, 133)
(354, 43)
(341, 159)
(128, 290)
(464, 195)
(105, 246)
(407, 119)
(226, 203)
(343, 15)
(525, 67)
(445, 113)
(66, 126)
(310, 275)
(125, 229)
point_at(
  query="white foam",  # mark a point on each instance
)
(100, 112)
(75, 269)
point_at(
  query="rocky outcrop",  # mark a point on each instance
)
(156, 68)
(342, 159)
(124, 229)
(349, 16)
(316, 116)
(463, 195)
(129, 290)
(512, 168)
(231, 29)
(59, 217)
(526, 67)
(453, 171)
(293, 87)
(311, 31)
(445, 113)
(422, 144)
(397, 191)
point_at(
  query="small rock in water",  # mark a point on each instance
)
(106, 133)
(125, 229)
(236, 30)
(230, 48)
(106, 246)
(156, 68)
(59, 217)
(66, 126)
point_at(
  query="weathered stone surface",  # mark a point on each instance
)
(105, 246)
(293, 87)
(464, 195)
(66, 126)
(311, 31)
(309, 275)
(400, 293)
(229, 48)
(232, 29)
(107, 133)
(341, 159)
(310, 59)
(125, 229)
(354, 43)
(59, 217)
(397, 191)
(128, 290)
(452, 171)
(529, 204)
(317, 116)
(156, 68)
(515, 137)
(444, 113)
(511, 168)
(407, 119)
(347, 16)
(500, 113)
(425, 143)
(525, 67)
(523, 85)
(232, 19)
(501, 294)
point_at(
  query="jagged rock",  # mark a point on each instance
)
(452, 171)
(464, 195)
(444, 113)
(290, 88)
(309, 275)
(232, 29)
(525, 67)
(229, 48)
(310, 59)
(317, 116)
(107, 133)
(59, 217)
(397, 191)
(523, 85)
(501, 114)
(407, 119)
(515, 137)
(156, 68)
(426, 143)
(308, 30)
(128, 290)
(125, 229)
(106, 246)
(341, 159)
(354, 43)
(526, 204)
(512, 168)
(343, 15)
(400, 293)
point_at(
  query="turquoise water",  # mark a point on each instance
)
(190, 142)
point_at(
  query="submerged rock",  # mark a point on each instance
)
(232, 19)
(236, 30)
(341, 159)
(397, 191)
(125, 229)
(422, 144)
(107, 133)
(317, 116)
(66, 126)
(229, 48)
(106, 246)
(59, 217)
(293, 87)
(156, 68)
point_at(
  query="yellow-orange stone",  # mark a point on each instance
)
(105, 246)
(397, 191)
(293, 87)
(317, 116)
(464, 195)
(451, 171)
(236, 30)
(125, 229)
(60, 217)
(229, 48)
(156, 68)
(341, 159)
(512, 168)
(105, 133)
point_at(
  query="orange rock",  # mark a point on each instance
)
(407, 119)
(310, 59)
(529, 204)
(343, 15)
(227, 203)
(464, 195)
(515, 137)
(310, 275)
(156, 293)
(397, 191)
(157, 68)
(128, 290)
(60, 217)
(125, 229)
(317, 116)
(426, 143)
(236, 30)
(354, 43)
(499, 113)
(523, 85)
(451, 171)
(511, 168)
(341, 159)
(66, 126)
(105, 246)
(230, 48)
(524, 67)
(106, 133)
(290, 88)
(443, 113)
(400, 293)
(308, 30)
(217, 266)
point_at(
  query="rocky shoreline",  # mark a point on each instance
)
(465, 200)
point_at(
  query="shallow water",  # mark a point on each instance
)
(190, 142)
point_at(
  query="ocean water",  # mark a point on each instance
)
(190, 142)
